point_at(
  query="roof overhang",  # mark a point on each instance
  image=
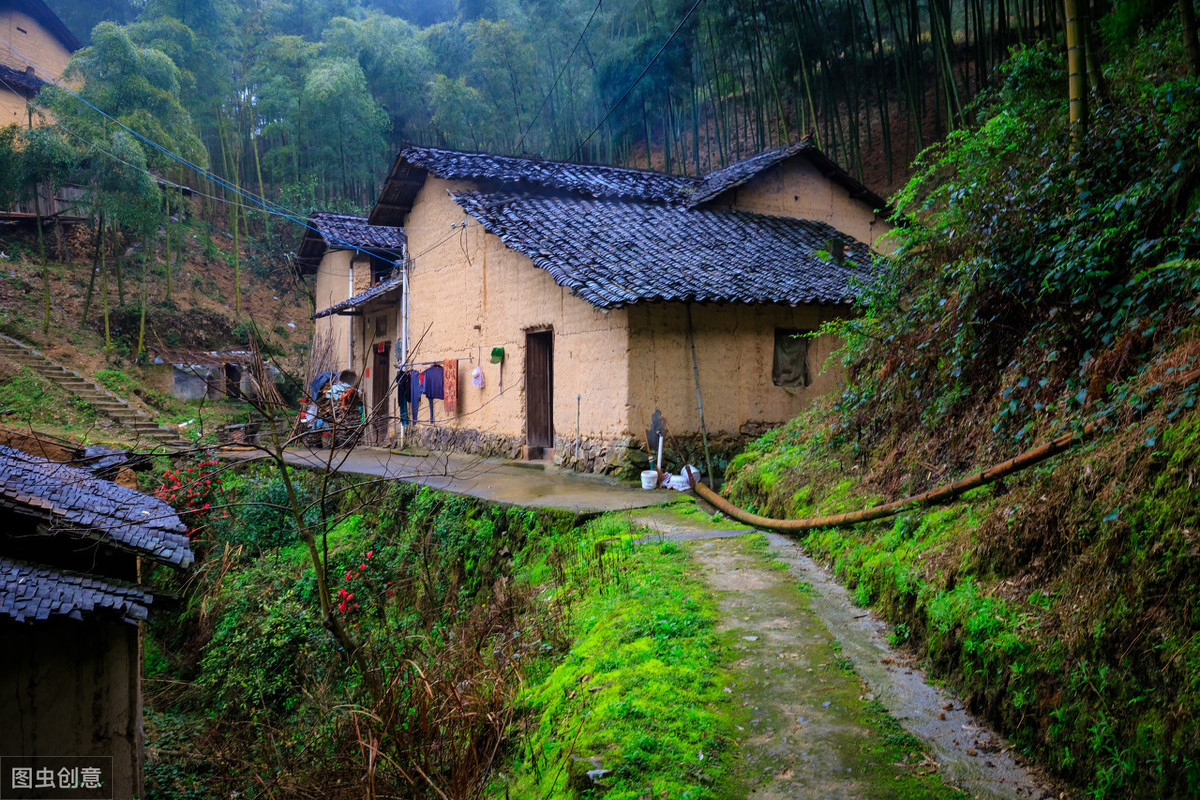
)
(353, 307)
(400, 188)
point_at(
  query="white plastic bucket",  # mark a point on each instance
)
(649, 479)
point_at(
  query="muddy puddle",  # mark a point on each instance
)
(816, 671)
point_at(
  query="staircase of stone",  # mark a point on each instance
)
(99, 398)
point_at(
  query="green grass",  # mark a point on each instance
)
(639, 691)
(29, 399)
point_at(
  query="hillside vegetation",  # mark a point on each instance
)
(188, 298)
(1036, 289)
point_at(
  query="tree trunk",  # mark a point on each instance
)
(141, 344)
(118, 263)
(1076, 75)
(104, 292)
(1187, 19)
(87, 301)
(167, 243)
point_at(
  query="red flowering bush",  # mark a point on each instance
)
(193, 492)
(363, 581)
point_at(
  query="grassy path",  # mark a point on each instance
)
(814, 682)
(811, 727)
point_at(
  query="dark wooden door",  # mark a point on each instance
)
(380, 383)
(539, 389)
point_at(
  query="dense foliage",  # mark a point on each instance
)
(283, 95)
(1038, 286)
(443, 620)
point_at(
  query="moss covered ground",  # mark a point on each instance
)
(1037, 286)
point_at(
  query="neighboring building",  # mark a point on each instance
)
(347, 256)
(33, 33)
(375, 344)
(71, 546)
(595, 281)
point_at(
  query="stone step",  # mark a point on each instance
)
(108, 404)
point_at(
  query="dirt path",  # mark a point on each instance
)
(822, 691)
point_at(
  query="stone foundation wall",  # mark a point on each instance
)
(605, 456)
(722, 446)
(467, 440)
(622, 458)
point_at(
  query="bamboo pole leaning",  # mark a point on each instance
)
(937, 495)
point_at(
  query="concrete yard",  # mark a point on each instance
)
(519, 483)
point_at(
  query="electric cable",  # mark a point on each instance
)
(558, 78)
(273, 207)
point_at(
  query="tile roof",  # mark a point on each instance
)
(376, 292)
(329, 231)
(516, 173)
(594, 179)
(20, 82)
(31, 593)
(71, 498)
(613, 253)
(741, 172)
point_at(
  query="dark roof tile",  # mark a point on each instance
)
(514, 173)
(329, 231)
(376, 292)
(72, 498)
(33, 593)
(614, 253)
(23, 83)
(597, 180)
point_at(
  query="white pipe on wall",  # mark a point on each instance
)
(350, 320)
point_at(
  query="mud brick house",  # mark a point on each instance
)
(346, 257)
(578, 290)
(33, 33)
(70, 606)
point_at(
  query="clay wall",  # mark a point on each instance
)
(36, 43)
(735, 346)
(331, 335)
(797, 189)
(469, 293)
(73, 689)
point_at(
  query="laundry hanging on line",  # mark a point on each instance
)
(450, 385)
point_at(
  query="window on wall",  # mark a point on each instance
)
(381, 326)
(790, 365)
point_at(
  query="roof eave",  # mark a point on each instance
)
(399, 190)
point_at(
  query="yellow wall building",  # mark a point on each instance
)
(595, 282)
(29, 32)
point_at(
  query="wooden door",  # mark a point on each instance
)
(539, 389)
(380, 384)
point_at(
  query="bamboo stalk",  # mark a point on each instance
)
(1076, 76)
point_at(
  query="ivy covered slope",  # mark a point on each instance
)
(1036, 290)
(508, 647)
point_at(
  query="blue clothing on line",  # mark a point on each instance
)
(435, 381)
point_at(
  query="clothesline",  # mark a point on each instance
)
(431, 363)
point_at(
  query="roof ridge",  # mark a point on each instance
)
(535, 159)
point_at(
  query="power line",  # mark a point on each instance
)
(270, 207)
(636, 81)
(558, 78)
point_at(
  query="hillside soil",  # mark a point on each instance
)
(197, 316)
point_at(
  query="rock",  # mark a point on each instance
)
(586, 775)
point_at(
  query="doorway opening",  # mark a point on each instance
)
(539, 393)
